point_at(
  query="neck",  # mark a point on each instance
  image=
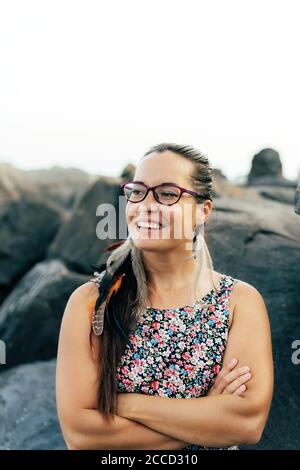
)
(168, 271)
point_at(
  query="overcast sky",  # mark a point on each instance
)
(93, 84)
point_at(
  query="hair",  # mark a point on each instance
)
(124, 306)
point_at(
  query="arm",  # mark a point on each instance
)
(221, 420)
(82, 425)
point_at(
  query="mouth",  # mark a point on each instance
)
(148, 227)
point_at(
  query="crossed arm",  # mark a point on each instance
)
(221, 420)
(82, 425)
(152, 422)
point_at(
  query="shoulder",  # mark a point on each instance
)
(76, 321)
(247, 303)
(245, 299)
(243, 291)
(81, 302)
(85, 291)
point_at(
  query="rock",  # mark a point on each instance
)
(266, 163)
(128, 172)
(260, 244)
(28, 225)
(30, 316)
(272, 181)
(13, 184)
(222, 187)
(28, 408)
(266, 170)
(77, 242)
(277, 193)
(297, 200)
(62, 187)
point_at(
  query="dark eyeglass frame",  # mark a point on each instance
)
(152, 188)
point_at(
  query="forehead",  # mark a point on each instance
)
(167, 166)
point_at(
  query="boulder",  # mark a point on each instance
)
(265, 163)
(285, 194)
(29, 418)
(77, 242)
(62, 187)
(28, 225)
(297, 200)
(30, 316)
(266, 170)
(260, 244)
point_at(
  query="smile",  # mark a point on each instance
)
(149, 225)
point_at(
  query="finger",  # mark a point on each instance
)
(225, 370)
(240, 390)
(227, 379)
(237, 383)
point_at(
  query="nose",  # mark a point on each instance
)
(149, 200)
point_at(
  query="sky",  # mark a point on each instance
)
(94, 84)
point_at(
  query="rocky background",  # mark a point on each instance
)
(48, 248)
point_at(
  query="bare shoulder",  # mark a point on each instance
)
(247, 302)
(243, 291)
(85, 291)
(79, 305)
(76, 322)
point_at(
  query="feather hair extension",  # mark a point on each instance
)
(98, 317)
(118, 256)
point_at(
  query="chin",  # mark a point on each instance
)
(143, 243)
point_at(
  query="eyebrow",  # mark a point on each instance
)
(171, 183)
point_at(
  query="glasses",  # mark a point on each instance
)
(165, 193)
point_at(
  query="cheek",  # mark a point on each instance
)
(130, 211)
(188, 219)
(175, 217)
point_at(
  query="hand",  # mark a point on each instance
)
(229, 381)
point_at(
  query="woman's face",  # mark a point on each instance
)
(178, 220)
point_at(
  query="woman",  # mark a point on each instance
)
(157, 325)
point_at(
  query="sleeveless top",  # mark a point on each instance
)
(177, 352)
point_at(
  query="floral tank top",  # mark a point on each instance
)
(177, 352)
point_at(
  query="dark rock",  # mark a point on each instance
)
(277, 193)
(77, 242)
(254, 235)
(260, 244)
(28, 408)
(128, 172)
(297, 200)
(266, 170)
(28, 225)
(272, 181)
(266, 163)
(30, 316)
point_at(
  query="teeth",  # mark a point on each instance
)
(147, 225)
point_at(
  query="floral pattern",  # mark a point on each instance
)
(178, 352)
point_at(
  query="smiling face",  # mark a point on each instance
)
(176, 222)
